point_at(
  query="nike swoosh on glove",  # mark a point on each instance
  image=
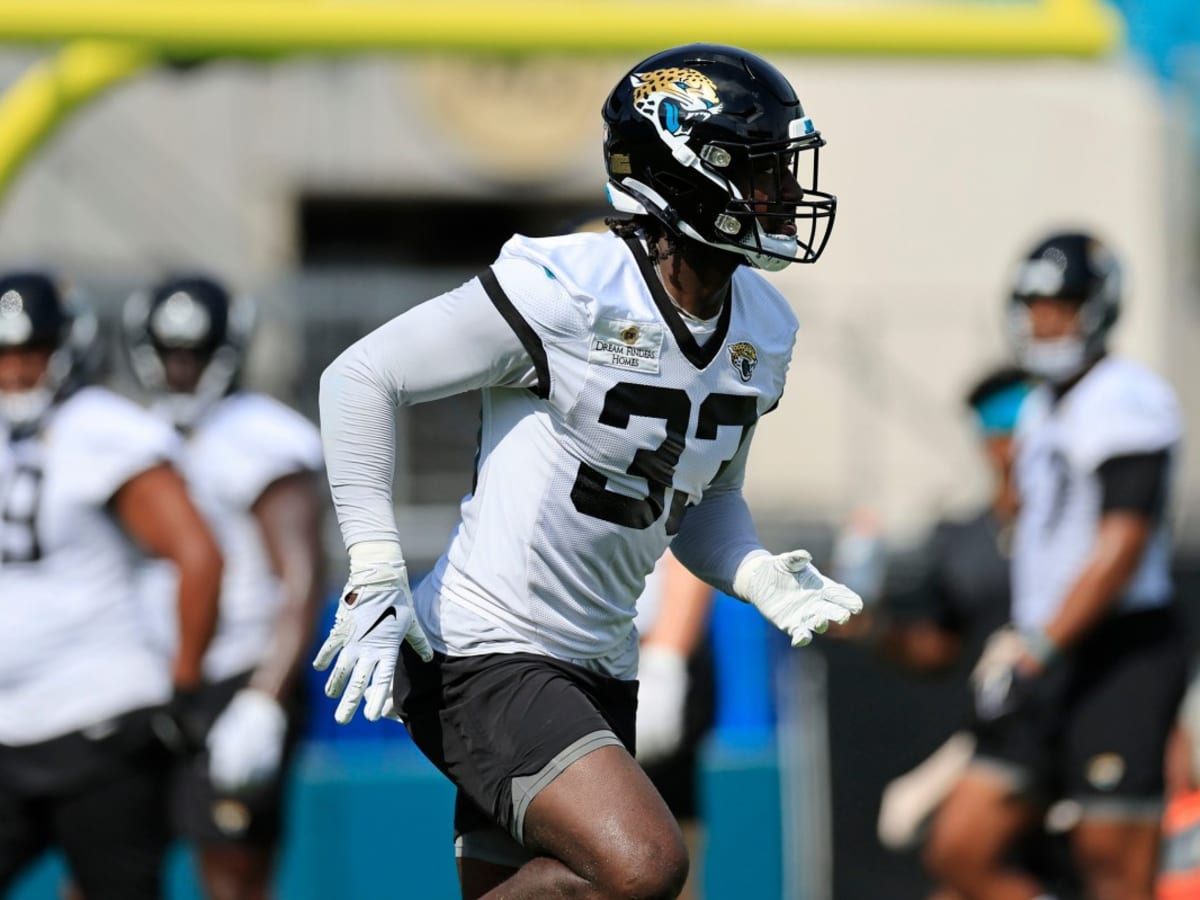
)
(789, 591)
(374, 616)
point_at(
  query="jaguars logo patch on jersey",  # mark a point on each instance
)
(743, 357)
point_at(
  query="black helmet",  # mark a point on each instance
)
(193, 313)
(35, 311)
(1077, 268)
(693, 132)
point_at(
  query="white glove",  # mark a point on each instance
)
(374, 615)
(245, 744)
(793, 595)
(662, 689)
(1000, 654)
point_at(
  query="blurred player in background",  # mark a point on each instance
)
(934, 609)
(83, 473)
(251, 464)
(623, 375)
(677, 694)
(1080, 702)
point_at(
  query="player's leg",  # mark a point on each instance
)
(601, 834)
(604, 832)
(23, 835)
(236, 836)
(1116, 740)
(1117, 860)
(486, 854)
(478, 876)
(541, 747)
(236, 872)
(972, 833)
(675, 778)
(113, 829)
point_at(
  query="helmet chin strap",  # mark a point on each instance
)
(784, 245)
(759, 260)
(624, 201)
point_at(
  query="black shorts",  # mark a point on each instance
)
(677, 776)
(202, 814)
(98, 795)
(1095, 726)
(504, 725)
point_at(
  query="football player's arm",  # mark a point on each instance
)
(454, 343)
(246, 742)
(682, 613)
(682, 617)
(451, 344)
(718, 533)
(288, 513)
(1132, 499)
(718, 542)
(155, 509)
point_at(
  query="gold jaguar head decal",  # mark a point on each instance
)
(674, 99)
(743, 357)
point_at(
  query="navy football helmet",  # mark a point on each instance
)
(36, 312)
(712, 141)
(193, 315)
(1077, 268)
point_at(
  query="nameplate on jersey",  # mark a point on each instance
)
(622, 344)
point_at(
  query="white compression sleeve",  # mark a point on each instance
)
(448, 345)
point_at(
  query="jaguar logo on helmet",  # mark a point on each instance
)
(743, 357)
(674, 99)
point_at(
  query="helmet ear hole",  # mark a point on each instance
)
(674, 185)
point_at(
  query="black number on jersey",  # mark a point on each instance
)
(590, 493)
(1062, 490)
(18, 520)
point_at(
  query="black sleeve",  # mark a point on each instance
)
(1135, 483)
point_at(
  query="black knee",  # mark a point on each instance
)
(655, 870)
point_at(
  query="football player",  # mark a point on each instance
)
(250, 463)
(622, 378)
(82, 472)
(1081, 704)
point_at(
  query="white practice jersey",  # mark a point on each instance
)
(1117, 409)
(73, 651)
(649, 602)
(241, 446)
(582, 479)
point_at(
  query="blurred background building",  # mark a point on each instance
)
(342, 190)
